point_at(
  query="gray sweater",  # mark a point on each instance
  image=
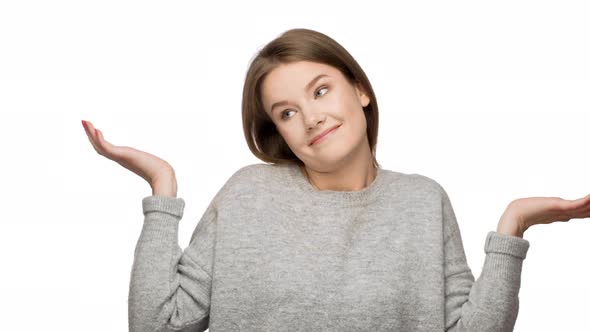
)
(272, 253)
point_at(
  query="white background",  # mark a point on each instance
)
(491, 99)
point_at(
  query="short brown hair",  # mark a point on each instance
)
(293, 45)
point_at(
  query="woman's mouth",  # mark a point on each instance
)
(324, 137)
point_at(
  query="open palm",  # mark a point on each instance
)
(146, 165)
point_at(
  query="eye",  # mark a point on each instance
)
(283, 114)
(316, 91)
(322, 88)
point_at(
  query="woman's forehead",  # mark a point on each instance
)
(302, 69)
(296, 77)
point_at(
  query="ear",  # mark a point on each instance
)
(362, 94)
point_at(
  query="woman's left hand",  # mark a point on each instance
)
(545, 210)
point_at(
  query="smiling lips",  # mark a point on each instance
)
(324, 134)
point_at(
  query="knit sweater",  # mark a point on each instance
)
(273, 253)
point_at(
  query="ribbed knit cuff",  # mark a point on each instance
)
(167, 204)
(506, 244)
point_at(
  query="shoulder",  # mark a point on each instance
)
(253, 172)
(420, 183)
(244, 180)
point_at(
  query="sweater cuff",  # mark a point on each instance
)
(506, 244)
(171, 205)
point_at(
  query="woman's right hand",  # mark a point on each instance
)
(157, 172)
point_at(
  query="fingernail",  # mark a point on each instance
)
(84, 124)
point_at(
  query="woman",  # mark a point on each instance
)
(321, 237)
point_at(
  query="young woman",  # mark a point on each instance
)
(320, 237)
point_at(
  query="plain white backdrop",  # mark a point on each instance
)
(492, 100)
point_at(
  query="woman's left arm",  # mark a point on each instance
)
(491, 302)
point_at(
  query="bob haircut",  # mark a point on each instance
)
(263, 139)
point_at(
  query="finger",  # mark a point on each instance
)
(89, 135)
(567, 204)
(98, 146)
(585, 210)
(91, 131)
(87, 129)
(93, 144)
(99, 138)
(581, 202)
(585, 203)
(104, 144)
(107, 147)
(578, 209)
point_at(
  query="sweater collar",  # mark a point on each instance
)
(332, 197)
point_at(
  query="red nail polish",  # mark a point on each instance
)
(84, 124)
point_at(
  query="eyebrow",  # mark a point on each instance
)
(307, 87)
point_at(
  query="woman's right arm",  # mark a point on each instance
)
(170, 289)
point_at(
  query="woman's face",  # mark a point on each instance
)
(309, 110)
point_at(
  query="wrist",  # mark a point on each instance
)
(509, 230)
(510, 225)
(163, 192)
(165, 187)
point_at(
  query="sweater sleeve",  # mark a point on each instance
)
(491, 302)
(170, 289)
